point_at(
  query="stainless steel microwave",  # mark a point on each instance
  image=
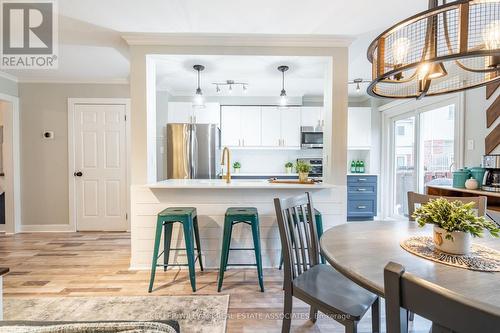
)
(311, 138)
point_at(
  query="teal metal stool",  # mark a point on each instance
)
(189, 220)
(235, 215)
(319, 229)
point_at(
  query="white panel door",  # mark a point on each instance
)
(250, 125)
(271, 127)
(230, 126)
(290, 127)
(180, 112)
(100, 167)
(210, 114)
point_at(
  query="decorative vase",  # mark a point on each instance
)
(460, 244)
(303, 177)
(471, 184)
(288, 169)
(236, 170)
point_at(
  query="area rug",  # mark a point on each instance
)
(195, 314)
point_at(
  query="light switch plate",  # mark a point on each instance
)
(470, 144)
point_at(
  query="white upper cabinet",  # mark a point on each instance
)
(271, 126)
(359, 129)
(311, 116)
(179, 112)
(250, 126)
(230, 126)
(290, 127)
(184, 112)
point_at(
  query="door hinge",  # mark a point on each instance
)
(125, 117)
(126, 216)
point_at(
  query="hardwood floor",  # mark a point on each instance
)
(96, 264)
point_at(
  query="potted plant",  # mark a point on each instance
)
(236, 167)
(303, 170)
(455, 223)
(288, 167)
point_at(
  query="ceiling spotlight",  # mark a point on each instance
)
(283, 98)
(245, 89)
(198, 98)
(217, 89)
(230, 89)
(358, 82)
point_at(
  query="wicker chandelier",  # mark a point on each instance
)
(450, 47)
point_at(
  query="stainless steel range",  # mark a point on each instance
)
(316, 166)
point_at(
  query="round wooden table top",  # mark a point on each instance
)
(360, 251)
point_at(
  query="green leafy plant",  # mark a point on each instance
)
(454, 216)
(303, 167)
(237, 165)
(288, 165)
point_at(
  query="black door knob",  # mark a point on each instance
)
(78, 174)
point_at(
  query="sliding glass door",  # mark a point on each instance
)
(423, 150)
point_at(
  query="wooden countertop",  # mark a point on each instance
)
(3, 270)
(464, 190)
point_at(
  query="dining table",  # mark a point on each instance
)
(361, 250)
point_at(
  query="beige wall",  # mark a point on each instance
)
(44, 163)
(8, 87)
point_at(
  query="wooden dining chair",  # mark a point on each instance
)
(318, 285)
(449, 311)
(417, 198)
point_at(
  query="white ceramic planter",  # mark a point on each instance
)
(460, 244)
(236, 170)
(288, 170)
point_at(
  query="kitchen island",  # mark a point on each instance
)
(211, 199)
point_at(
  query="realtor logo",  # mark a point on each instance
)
(29, 34)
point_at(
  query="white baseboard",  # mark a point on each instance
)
(46, 228)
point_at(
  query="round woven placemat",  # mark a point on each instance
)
(481, 258)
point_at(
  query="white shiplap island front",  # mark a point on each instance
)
(211, 199)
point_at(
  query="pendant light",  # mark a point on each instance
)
(450, 47)
(283, 98)
(198, 97)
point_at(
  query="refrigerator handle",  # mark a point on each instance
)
(194, 152)
(187, 160)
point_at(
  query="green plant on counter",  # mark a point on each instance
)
(303, 167)
(454, 216)
(237, 165)
(288, 165)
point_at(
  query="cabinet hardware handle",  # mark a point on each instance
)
(361, 189)
(361, 207)
(362, 179)
(243, 142)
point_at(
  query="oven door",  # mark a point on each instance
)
(312, 140)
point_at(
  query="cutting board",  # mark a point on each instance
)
(291, 181)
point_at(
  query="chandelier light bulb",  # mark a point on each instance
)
(400, 49)
(491, 36)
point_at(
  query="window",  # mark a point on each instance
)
(400, 130)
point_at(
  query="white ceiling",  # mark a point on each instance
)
(176, 75)
(92, 49)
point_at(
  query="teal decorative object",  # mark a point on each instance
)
(460, 177)
(478, 174)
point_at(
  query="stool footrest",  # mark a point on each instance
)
(242, 249)
(241, 264)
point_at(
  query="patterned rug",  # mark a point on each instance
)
(195, 314)
(481, 258)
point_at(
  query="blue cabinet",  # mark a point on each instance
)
(361, 197)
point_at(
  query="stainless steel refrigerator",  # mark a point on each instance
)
(193, 151)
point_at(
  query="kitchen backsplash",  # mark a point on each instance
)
(269, 161)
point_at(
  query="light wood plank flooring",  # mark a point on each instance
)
(96, 264)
